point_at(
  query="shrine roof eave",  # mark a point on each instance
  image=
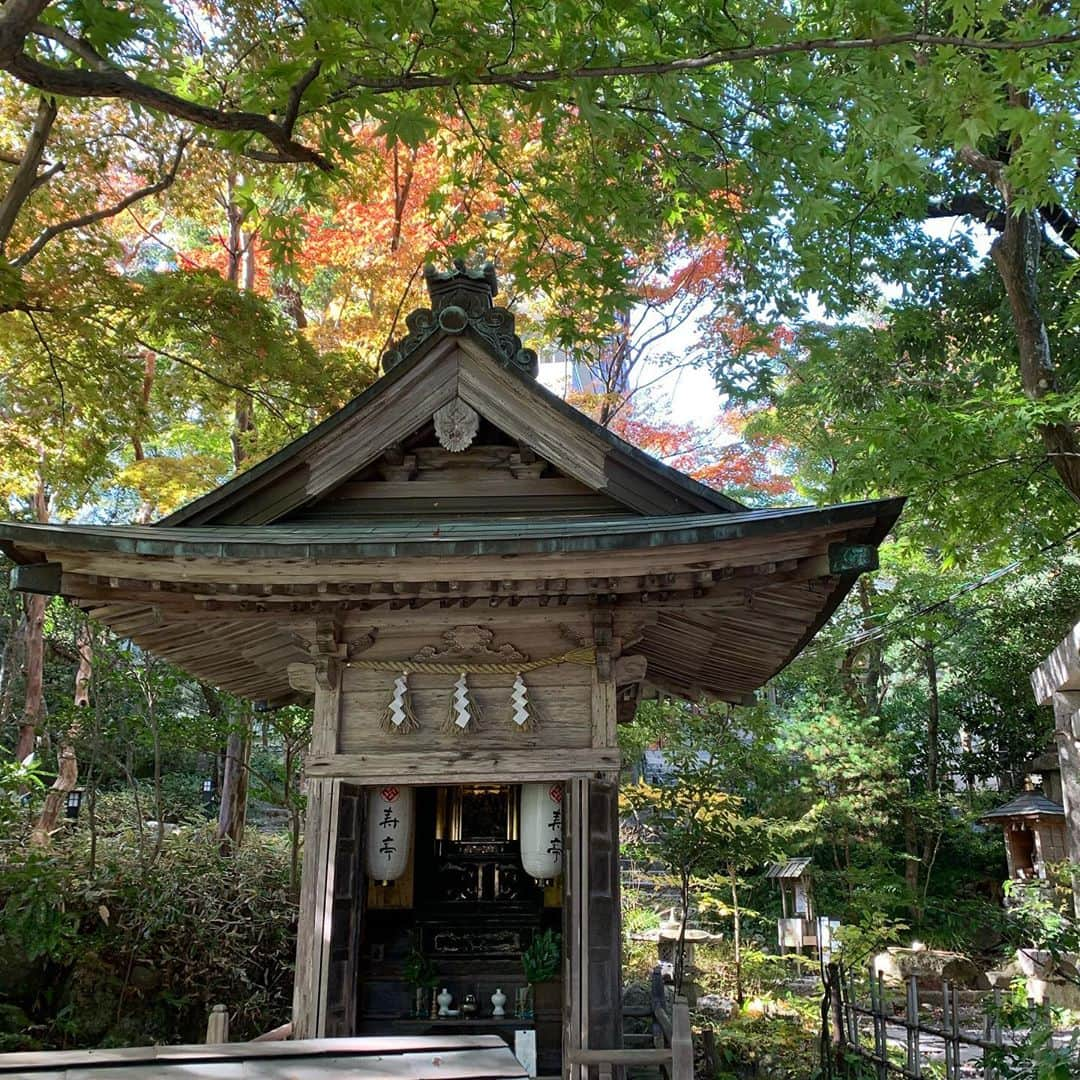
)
(1028, 805)
(26, 542)
(207, 507)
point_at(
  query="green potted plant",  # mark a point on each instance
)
(541, 962)
(420, 972)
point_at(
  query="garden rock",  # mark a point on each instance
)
(933, 967)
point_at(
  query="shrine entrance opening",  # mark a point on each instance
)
(467, 904)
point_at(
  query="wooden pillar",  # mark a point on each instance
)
(592, 932)
(314, 922)
(345, 901)
(313, 937)
(605, 916)
(575, 924)
(1067, 735)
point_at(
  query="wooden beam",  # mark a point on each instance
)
(643, 1057)
(43, 578)
(465, 766)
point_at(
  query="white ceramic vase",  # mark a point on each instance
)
(443, 999)
(498, 1001)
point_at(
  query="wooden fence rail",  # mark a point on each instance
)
(882, 1016)
(674, 1044)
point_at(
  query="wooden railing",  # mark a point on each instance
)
(217, 1029)
(673, 1049)
(674, 1045)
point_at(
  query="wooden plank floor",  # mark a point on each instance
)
(447, 1057)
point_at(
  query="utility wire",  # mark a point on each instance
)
(862, 637)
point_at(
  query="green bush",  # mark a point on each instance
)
(122, 808)
(139, 950)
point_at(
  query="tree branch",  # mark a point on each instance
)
(79, 47)
(43, 178)
(1062, 222)
(969, 204)
(419, 80)
(16, 18)
(95, 216)
(296, 93)
(25, 179)
(111, 82)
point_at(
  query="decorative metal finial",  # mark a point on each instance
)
(462, 301)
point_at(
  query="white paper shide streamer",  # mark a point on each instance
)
(464, 713)
(389, 831)
(522, 711)
(399, 716)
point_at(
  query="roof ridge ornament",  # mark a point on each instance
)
(462, 300)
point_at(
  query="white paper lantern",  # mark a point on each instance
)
(542, 830)
(389, 829)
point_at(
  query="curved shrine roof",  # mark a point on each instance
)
(457, 480)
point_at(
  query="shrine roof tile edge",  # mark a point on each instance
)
(462, 538)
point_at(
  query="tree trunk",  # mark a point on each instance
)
(911, 862)
(933, 719)
(34, 696)
(680, 945)
(232, 812)
(145, 513)
(34, 700)
(1016, 255)
(67, 775)
(736, 935)
(234, 221)
(232, 815)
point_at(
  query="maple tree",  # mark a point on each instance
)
(624, 125)
(752, 468)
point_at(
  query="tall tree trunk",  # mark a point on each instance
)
(403, 179)
(234, 223)
(232, 811)
(933, 720)
(12, 660)
(911, 862)
(67, 775)
(145, 513)
(34, 636)
(1016, 255)
(33, 715)
(232, 814)
(736, 934)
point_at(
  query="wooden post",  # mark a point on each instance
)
(682, 1041)
(575, 926)
(603, 1010)
(316, 891)
(949, 1075)
(320, 842)
(1067, 735)
(836, 1012)
(217, 1026)
(345, 903)
(914, 1052)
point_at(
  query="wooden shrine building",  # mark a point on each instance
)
(473, 584)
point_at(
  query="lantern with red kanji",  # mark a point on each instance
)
(389, 832)
(542, 830)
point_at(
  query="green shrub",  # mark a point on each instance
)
(141, 949)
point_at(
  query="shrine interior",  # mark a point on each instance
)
(467, 903)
